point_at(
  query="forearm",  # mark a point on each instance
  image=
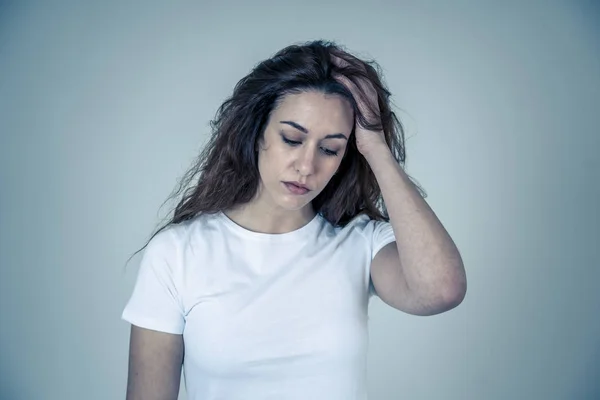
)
(429, 259)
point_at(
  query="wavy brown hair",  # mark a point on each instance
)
(226, 172)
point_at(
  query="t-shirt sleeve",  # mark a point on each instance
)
(155, 302)
(381, 235)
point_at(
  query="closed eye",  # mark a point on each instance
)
(294, 143)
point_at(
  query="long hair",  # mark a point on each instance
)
(226, 172)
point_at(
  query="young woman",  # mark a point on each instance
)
(259, 283)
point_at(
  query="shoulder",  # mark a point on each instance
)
(364, 229)
(177, 235)
(365, 226)
(175, 242)
(169, 241)
(166, 240)
(374, 233)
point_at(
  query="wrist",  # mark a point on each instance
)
(379, 154)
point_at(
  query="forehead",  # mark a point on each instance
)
(316, 110)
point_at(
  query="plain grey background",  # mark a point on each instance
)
(103, 105)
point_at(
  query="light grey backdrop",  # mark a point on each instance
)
(104, 105)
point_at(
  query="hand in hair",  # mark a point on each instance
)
(368, 141)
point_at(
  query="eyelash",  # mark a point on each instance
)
(326, 151)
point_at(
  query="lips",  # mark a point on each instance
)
(298, 185)
(295, 189)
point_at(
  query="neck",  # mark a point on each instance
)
(258, 218)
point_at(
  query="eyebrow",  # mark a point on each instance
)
(304, 130)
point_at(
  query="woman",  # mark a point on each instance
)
(262, 276)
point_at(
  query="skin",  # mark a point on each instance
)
(308, 161)
(428, 279)
(155, 358)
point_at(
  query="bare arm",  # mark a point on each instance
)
(424, 274)
(155, 360)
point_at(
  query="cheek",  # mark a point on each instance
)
(327, 172)
(263, 162)
(270, 161)
(335, 163)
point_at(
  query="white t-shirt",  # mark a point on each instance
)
(263, 316)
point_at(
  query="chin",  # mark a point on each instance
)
(290, 202)
(293, 205)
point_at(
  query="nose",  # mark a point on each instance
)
(305, 164)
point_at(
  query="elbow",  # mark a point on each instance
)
(441, 296)
(445, 299)
(455, 292)
(456, 298)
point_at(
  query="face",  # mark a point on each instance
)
(304, 142)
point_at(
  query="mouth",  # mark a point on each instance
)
(296, 188)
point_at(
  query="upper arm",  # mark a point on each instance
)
(389, 282)
(155, 360)
(391, 286)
